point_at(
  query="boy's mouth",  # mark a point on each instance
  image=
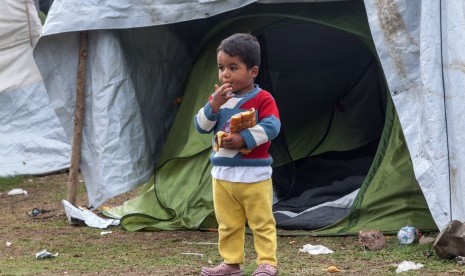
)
(232, 87)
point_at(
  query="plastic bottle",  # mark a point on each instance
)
(407, 234)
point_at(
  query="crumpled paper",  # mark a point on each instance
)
(408, 265)
(315, 249)
(17, 191)
(44, 254)
(89, 218)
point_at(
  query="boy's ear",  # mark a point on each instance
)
(254, 71)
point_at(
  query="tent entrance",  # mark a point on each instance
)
(332, 102)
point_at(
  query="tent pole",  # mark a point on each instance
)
(78, 119)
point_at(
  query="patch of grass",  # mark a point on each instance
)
(8, 183)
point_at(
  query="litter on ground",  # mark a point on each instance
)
(315, 249)
(408, 265)
(91, 219)
(44, 254)
(17, 191)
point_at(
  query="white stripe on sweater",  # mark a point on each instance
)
(203, 122)
(259, 134)
(231, 103)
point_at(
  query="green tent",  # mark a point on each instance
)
(340, 136)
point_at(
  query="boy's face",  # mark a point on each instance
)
(233, 71)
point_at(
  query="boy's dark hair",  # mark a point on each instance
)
(242, 45)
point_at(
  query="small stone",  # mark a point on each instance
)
(371, 239)
(425, 240)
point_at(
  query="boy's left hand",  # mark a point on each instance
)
(233, 141)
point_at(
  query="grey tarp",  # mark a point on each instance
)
(420, 46)
(32, 140)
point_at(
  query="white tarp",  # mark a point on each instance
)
(71, 16)
(115, 154)
(32, 141)
(420, 45)
(417, 41)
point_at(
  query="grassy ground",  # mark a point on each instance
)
(85, 251)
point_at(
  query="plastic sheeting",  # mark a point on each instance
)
(115, 155)
(32, 140)
(418, 46)
(71, 16)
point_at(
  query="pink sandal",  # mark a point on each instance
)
(265, 270)
(222, 270)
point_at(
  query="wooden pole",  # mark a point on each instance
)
(78, 119)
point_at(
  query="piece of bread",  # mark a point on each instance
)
(219, 140)
(243, 120)
(237, 123)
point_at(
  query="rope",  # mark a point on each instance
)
(28, 23)
(445, 111)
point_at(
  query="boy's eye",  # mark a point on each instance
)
(220, 68)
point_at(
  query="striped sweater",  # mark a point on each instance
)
(257, 138)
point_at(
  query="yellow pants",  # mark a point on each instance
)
(234, 204)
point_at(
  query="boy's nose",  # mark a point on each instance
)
(225, 78)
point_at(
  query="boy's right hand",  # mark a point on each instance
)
(222, 94)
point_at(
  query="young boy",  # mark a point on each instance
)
(241, 174)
